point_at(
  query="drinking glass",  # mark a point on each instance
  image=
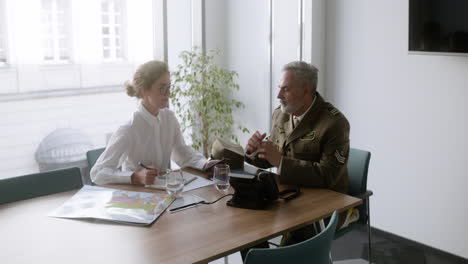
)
(221, 177)
(174, 182)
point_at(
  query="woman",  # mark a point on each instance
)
(150, 137)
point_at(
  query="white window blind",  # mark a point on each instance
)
(55, 16)
(112, 30)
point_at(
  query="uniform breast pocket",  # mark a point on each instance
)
(307, 151)
(307, 156)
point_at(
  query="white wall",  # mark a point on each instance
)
(247, 32)
(179, 30)
(247, 49)
(410, 112)
(215, 28)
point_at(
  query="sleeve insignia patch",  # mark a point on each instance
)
(340, 157)
(334, 111)
(309, 136)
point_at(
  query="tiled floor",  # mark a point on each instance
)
(232, 259)
(388, 250)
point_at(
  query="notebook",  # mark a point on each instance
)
(249, 172)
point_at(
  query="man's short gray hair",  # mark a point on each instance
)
(304, 72)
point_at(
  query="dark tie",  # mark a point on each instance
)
(295, 121)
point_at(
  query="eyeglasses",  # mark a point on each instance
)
(164, 90)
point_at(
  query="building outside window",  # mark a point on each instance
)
(55, 16)
(64, 65)
(112, 30)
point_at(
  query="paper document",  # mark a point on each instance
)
(249, 171)
(198, 183)
(249, 168)
(160, 182)
(114, 205)
(185, 200)
(192, 182)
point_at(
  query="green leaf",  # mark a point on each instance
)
(202, 98)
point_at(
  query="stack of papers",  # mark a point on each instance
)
(241, 174)
(249, 172)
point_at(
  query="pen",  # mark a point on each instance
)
(189, 180)
(185, 206)
(144, 166)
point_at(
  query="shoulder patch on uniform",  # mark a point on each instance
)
(334, 111)
(340, 157)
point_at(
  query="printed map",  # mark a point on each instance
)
(114, 205)
(127, 200)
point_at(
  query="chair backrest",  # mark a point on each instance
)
(314, 250)
(358, 164)
(38, 184)
(93, 155)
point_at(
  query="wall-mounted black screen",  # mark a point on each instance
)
(438, 25)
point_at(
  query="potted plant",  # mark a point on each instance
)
(202, 97)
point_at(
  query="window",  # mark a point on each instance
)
(112, 30)
(3, 51)
(56, 31)
(45, 91)
(3, 59)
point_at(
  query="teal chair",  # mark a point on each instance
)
(358, 165)
(93, 155)
(314, 250)
(39, 184)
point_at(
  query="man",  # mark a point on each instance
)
(309, 140)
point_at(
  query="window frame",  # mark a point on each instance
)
(29, 76)
(4, 51)
(111, 35)
(56, 36)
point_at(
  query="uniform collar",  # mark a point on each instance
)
(298, 119)
(148, 117)
(309, 115)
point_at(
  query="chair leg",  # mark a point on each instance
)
(322, 225)
(369, 231)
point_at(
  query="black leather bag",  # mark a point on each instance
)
(254, 193)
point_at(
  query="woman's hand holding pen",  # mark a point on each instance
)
(145, 176)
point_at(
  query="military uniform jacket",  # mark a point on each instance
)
(315, 152)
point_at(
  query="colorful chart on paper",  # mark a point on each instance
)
(126, 200)
(114, 205)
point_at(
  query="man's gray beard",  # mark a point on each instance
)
(290, 109)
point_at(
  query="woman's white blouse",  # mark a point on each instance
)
(148, 139)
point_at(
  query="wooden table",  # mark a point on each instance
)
(196, 235)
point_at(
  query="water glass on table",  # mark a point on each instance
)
(221, 177)
(174, 182)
